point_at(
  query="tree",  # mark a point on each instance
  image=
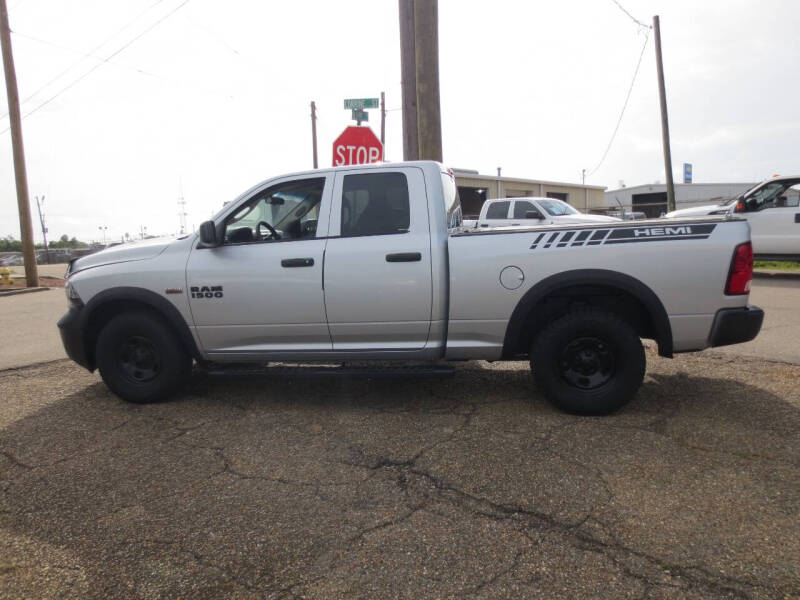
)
(9, 244)
(66, 242)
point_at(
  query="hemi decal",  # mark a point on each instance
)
(622, 235)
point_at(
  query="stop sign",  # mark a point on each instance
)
(357, 146)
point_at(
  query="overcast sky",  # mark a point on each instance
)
(216, 96)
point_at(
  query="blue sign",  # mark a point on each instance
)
(687, 172)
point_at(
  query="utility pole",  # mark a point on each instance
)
(44, 229)
(23, 202)
(662, 96)
(383, 121)
(314, 130)
(408, 71)
(426, 43)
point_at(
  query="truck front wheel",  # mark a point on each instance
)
(588, 362)
(139, 358)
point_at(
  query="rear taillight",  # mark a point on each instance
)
(741, 273)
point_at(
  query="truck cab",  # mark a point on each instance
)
(317, 264)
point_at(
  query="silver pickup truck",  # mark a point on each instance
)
(371, 263)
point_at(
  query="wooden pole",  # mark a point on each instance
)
(662, 96)
(314, 131)
(426, 41)
(18, 151)
(409, 80)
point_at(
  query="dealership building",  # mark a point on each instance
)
(474, 189)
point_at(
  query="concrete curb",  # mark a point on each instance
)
(775, 274)
(23, 291)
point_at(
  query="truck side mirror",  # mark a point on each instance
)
(208, 234)
(533, 214)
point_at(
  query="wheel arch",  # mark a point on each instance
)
(107, 304)
(522, 325)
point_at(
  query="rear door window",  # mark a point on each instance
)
(375, 204)
(498, 210)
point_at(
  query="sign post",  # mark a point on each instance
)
(357, 146)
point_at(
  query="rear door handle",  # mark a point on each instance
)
(297, 262)
(404, 257)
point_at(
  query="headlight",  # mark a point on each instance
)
(73, 299)
(719, 212)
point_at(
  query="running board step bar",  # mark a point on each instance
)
(319, 371)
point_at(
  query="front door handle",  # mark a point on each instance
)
(297, 262)
(404, 257)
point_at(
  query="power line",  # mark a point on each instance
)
(78, 52)
(105, 60)
(134, 68)
(624, 106)
(92, 51)
(631, 17)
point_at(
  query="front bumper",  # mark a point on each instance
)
(73, 336)
(736, 325)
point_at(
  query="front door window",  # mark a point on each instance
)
(288, 211)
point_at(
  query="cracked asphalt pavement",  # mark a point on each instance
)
(466, 487)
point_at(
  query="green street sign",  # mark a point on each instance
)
(361, 103)
(359, 115)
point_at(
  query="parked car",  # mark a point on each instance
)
(772, 208)
(533, 211)
(371, 262)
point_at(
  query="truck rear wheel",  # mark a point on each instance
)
(140, 359)
(588, 362)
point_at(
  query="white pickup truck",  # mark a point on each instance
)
(527, 211)
(772, 208)
(371, 263)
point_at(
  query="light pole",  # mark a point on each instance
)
(103, 229)
(39, 203)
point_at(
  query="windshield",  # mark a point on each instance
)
(772, 195)
(557, 208)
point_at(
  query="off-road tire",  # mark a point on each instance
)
(140, 359)
(564, 354)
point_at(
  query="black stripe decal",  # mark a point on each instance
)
(551, 239)
(536, 241)
(626, 235)
(581, 237)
